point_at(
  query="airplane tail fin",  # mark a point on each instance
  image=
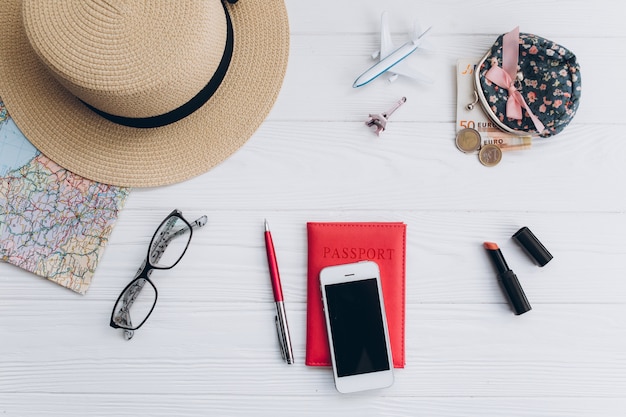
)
(417, 31)
(419, 36)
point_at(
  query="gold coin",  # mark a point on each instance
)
(490, 155)
(468, 140)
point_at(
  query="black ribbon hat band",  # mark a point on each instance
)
(192, 105)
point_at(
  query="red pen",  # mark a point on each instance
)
(281, 316)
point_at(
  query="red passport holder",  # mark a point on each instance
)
(341, 243)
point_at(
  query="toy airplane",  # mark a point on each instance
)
(391, 60)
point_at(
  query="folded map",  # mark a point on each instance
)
(53, 223)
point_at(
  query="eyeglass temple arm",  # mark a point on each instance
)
(165, 238)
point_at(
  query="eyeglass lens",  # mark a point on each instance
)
(135, 304)
(169, 243)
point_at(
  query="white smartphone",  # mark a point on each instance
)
(357, 326)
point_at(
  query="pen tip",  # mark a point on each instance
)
(267, 226)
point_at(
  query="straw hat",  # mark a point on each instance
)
(141, 93)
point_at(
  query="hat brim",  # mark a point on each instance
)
(75, 137)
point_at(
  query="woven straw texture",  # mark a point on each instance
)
(45, 106)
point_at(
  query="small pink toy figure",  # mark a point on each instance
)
(378, 122)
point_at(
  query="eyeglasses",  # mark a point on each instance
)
(167, 247)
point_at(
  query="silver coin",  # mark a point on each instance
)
(468, 140)
(490, 155)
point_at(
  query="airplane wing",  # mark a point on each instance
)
(386, 45)
(402, 68)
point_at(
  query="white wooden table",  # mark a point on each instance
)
(210, 349)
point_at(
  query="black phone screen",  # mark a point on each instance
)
(356, 324)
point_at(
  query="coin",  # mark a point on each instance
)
(468, 140)
(490, 155)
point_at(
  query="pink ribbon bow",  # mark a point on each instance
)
(505, 78)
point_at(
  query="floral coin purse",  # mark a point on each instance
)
(528, 85)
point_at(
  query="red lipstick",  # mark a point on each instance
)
(508, 280)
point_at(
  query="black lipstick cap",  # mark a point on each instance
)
(532, 246)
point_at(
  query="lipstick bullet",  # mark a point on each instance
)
(508, 280)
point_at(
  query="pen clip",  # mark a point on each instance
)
(281, 338)
(283, 333)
